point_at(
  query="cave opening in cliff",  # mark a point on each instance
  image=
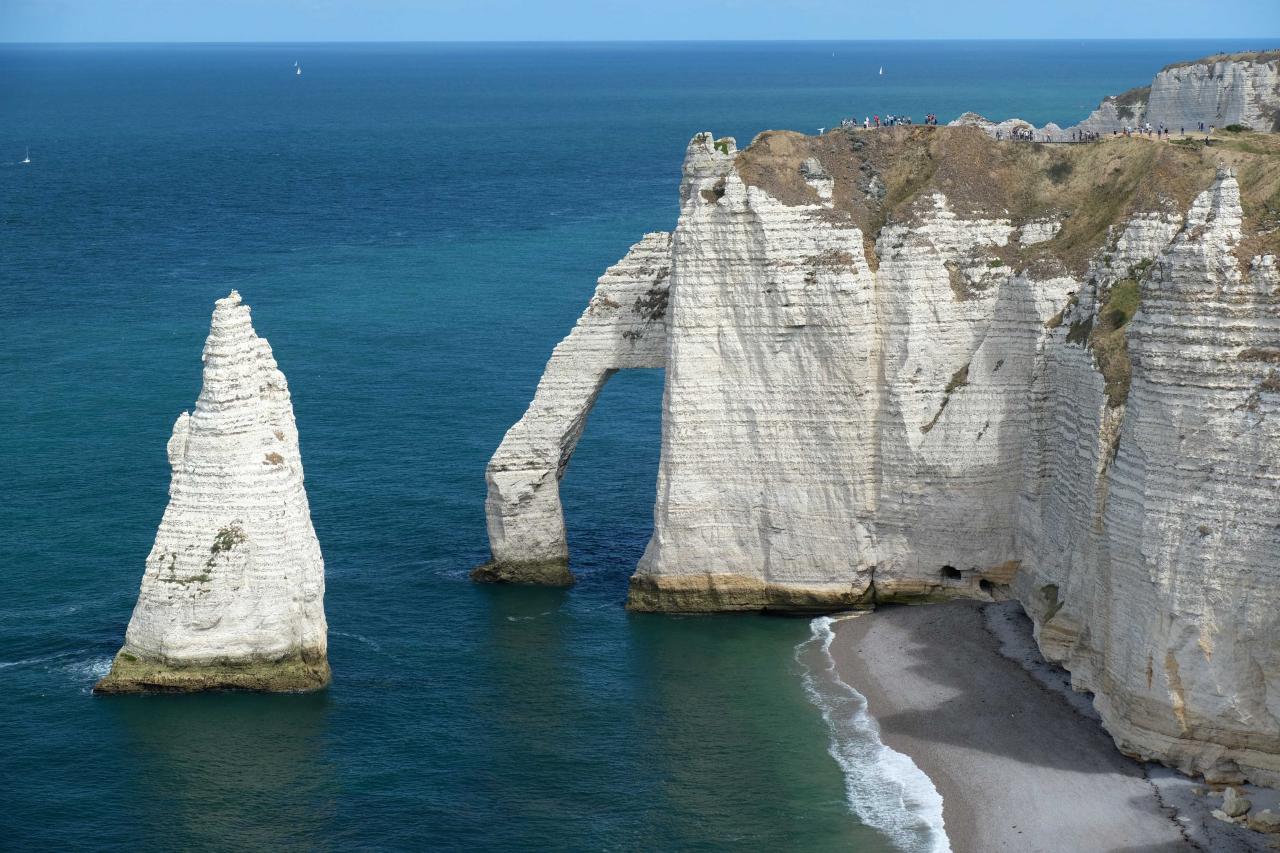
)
(950, 573)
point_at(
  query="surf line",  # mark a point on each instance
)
(884, 787)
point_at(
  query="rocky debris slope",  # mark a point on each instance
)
(916, 364)
(623, 326)
(233, 591)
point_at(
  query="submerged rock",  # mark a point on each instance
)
(232, 595)
(1265, 821)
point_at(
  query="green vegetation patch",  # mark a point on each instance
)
(1079, 332)
(1243, 56)
(653, 304)
(226, 539)
(1109, 342)
(1060, 171)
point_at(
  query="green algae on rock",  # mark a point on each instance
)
(540, 573)
(130, 674)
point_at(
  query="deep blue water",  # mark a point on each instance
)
(415, 227)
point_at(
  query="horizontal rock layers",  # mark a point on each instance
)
(1218, 91)
(916, 364)
(233, 592)
(623, 326)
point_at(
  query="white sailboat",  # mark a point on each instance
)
(298, 70)
(27, 160)
(881, 70)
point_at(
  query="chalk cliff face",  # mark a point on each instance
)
(233, 591)
(914, 364)
(1230, 89)
(624, 326)
(1218, 90)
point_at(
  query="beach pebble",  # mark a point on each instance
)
(1234, 804)
(1265, 821)
(1222, 816)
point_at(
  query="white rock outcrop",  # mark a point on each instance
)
(233, 591)
(953, 397)
(623, 326)
(1218, 91)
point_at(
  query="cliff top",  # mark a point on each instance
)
(881, 175)
(1245, 56)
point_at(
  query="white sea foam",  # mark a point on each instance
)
(529, 618)
(359, 639)
(91, 669)
(885, 788)
(28, 661)
(88, 671)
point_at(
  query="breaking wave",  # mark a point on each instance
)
(885, 788)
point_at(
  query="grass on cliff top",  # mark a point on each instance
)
(1244, 56)
(1131, 97)
(1091, 187)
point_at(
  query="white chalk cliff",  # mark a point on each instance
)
(1219, 91)
(912, 364)
(233, 591)
(624, 326)
(1223, 90)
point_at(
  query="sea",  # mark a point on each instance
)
(415, 226)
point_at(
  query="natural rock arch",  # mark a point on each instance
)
(624, 326)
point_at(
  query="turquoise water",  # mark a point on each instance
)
(415, 227)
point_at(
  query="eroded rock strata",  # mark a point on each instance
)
(918, 364)
(232, 595)
(1240, 88)
(1228, 90)
(623, 326)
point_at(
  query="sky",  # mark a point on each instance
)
(577, 20)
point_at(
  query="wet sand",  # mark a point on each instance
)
(1021, 766)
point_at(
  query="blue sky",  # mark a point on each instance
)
(432, 20)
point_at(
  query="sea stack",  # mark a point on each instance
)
(233, 592)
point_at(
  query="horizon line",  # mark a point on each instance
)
(8, 42)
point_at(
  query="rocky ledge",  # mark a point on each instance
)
(233, 592)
